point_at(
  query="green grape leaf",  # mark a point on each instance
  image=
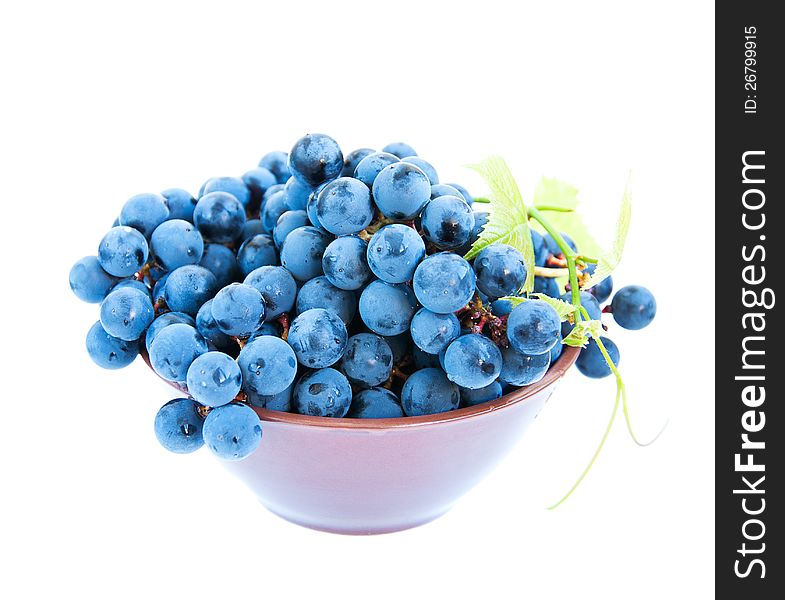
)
(556, 194)
(508, 222)
(608, 261)
(580, 334)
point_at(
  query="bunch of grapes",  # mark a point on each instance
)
(329, 286)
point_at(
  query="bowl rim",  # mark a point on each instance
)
(555, 372)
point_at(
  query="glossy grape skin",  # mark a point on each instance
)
(158, 288)
(368, 359)
(523, 369)
(288, 222)
(122, 251)
(500, 270)
(232, 431)
(174, 349)
(188, 287)
(219, 216)
(134, 283)
(481, 395)
(633, 307)
(175, 243)
(272, 190)
(315, 158)
(351, 160)
(387, 309)
(107, 351)
(207, 326)
(178, 426)
(401, 191)
(480, 220)
(424, 166)
(251, 228)
(370, 166)
(399, 149)
(258, 181)
(472, 361)
(603, 290)
(375, 403)
(282, 401)
(533, 327)
(272, 208)
(144, 212)
(444, 282)
(442, 189)
(310, 210)
(322, 393)
(277, 163)
(427, 392)
(214, 379)
(394, 253)
(344, 206)
(320, 293)
(557, 349)
(464, 192)
(303, 251)
(268, 365)
(318, 338)
(540, 248)
(553, 247)
(433, 332)
(162, 321)
(345, 263)
(231, 185)
(591, 362)
(238, 309)
(222, 263)
(88, 280)
(277, 287)
(547, 286)
(447, 222)
(180, 203)
(297, 194)
(501, 308)
(126, 313)
(257, 251)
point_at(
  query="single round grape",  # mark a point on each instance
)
(277, 163)
(178, 426)
(602, 291)
(375, 403)
(174, 349)
(214, 379)
(424, 166)
(144, 212)
(165, 320)
(345, 263)
(481, 395)
(180, 203)
(158, 288)
(344, 206)
(399, 149)
(315, 158)
(500, 270)
(368, 360)
(310, 210)
(268, 365)
(277, 287)
(175, 243)
(122, 251)
(553, 247)
(427, 392)
(633, 307)
(251, 228)
(221, 262)
(258, 181)
(547, 286)
(433, 332)
(442, 189)
(288, 222)
(444, 282)
(303, 251)
(447, 222)
(126, 313)
(207, 326)
(88, 280)
(238, 309)
(188, 287)
(133, 283)
(351, 160)
(267, 329)
(473, 361)
(523, 369)
(320, 293)
(394, 253)
(322, 393)
(401, 191)
(591, 362)
(272, 190)
(231, 185)
(219, 216)
(501, 308)
(318, 338)
(387, 309)
(370, 166)
(282, 401)
(540, 248)
(232, 431)
(463, 191)
(297, 194)
(533, 327)
(107, 351)
(272, 209)
(255, 252)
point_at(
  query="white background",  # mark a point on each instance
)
(101, 102)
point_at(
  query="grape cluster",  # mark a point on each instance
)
(326, 285)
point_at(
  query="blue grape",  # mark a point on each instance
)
(400, 345)
(399, 149)
(88, 280)
(533, 327)
(633, 307)
(178, 426)
(473, 361)
(547, 286)
(220, 217)
(188, 287)
(268, 365)
(158, 288)
(126, 313)
(214, 379)
(322, 393)
(222, 263)
(251, 228)
(344, 206)
(231, 185)
(277, 287)
(165, 320)
(500, 270)
(442, 189)
(424, 166)
(272, 190)
(255, 252)
(315, 158)
(258, 181)
(447, 222)
(176, 243)
(540, 248)
(368, 360)
(351, 160)
(523, 369)
(297, 194)
(320, 293)
(591, 362)
(401, 191)
(557, 349)
(318, 338)
(588, 302)
(288, 222)
(480, 220)
(501, 308)
(433, 332)
(122, 251)
(277, 163)
(238, 309)
(310, 210)
(133, 283)
(427, 392)
(267, 329)
(107, 351)
(282, 401)
(464, 192)
(553, 247)
(470, 397)
(387, 309)
(303, 251)
(444, 282)
(180, 203)
(602, 291)
(144, 212)
(232, 431)
(370, 166)
(345, 263)
(394, 253)
(207, 326)
(423, 360)
(375, 403)
(174, 349)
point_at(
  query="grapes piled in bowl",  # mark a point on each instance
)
(334, 286)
